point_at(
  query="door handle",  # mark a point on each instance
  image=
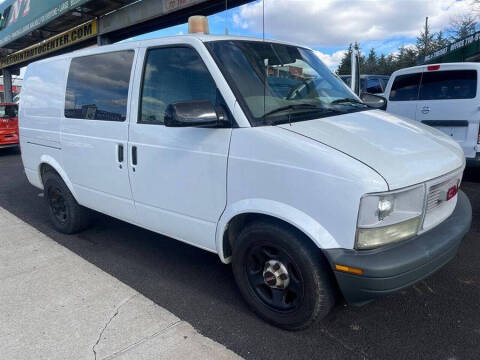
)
(425, 110)
(120, 155)
(134, 155)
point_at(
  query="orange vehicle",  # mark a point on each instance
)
(8, 125)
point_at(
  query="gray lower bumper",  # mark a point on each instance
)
(391, 268)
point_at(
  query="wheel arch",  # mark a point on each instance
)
(49, 163)
(237, 215)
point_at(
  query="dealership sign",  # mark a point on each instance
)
(454, 46)
(19, 17)
(57, 42)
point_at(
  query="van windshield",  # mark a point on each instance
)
(278, 83)
(8, 111)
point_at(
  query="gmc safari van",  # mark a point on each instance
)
(304, 192)
(444, 96)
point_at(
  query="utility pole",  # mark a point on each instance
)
(426, 36)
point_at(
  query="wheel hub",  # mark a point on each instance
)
(275, 275)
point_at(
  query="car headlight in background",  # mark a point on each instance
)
(389, 217)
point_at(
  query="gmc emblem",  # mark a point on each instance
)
(452, 192)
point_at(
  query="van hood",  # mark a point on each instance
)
(404, 152)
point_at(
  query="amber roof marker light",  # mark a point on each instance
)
(198, 24)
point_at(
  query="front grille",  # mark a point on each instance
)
(434, 198)
(437, 208)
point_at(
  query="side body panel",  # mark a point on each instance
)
(90, 158)
(310, 185)
(40, 111)
(179, 183)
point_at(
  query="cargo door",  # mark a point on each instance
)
(448, 102)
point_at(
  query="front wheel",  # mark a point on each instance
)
(281, 275)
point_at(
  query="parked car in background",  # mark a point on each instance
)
(8, 125)
(304, 192)
(372, 84)
(444, 96)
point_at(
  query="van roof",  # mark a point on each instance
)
(158, 41)
(443, 66)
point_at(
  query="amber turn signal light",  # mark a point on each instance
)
(349, 269)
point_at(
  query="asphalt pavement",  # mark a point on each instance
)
(438, 318)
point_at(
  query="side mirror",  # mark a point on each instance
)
(374, 101)
(195, 113)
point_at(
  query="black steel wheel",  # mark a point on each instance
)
(65, 213)
(56, 200)
(282, 275)
(274, 276)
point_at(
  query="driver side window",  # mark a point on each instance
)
(171, 75)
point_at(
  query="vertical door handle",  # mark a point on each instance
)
(120, 155)
(134, 155)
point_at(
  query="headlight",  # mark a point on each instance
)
(388, 217)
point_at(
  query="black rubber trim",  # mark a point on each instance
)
(47, 146)
(391, 268)
(474, 162)
(450, 123)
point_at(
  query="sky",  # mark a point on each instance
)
(328, 26)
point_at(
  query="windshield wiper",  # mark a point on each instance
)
(347, 100)
(294, 107)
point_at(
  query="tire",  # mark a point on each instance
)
(65, 213)
(300, 287)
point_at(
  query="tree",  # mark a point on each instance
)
(440, 41)
(383, 65)
(462, 26)
(407, 56)
(425, 41)
(345, 67)
(371, 63)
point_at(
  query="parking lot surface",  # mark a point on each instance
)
(438, 318)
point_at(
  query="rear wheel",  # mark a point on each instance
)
(281, 275)
(65, 213)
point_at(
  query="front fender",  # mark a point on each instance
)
(303, 222)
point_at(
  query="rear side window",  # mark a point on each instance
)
(373, 86)
(384, 82)
(455, 84)
(405, 87)
(97, 86)
(172, 75)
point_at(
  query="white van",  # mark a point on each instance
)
(304, 191)
(444, 96)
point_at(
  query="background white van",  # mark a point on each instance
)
(444, 96)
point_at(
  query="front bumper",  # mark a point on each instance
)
(8, 138)
(396, 266)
